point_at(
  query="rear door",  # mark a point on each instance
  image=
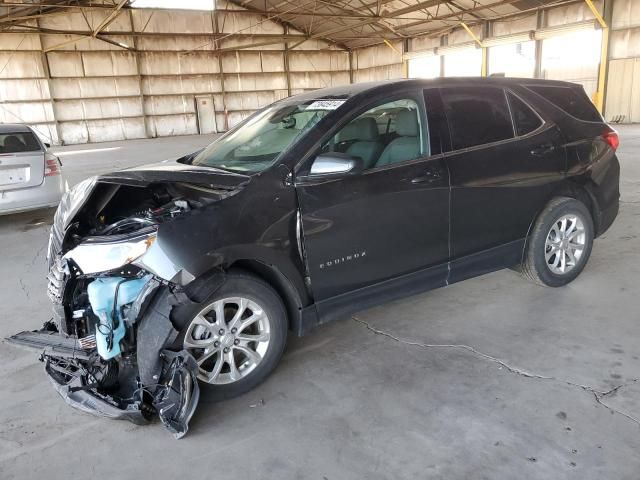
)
(505, 162)
(21, 160)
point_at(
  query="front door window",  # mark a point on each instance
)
(386, 134)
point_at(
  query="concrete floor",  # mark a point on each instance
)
(511, 386)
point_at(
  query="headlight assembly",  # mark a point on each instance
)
(100, 256)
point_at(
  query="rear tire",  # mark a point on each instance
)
(237, 335)
(560, 243)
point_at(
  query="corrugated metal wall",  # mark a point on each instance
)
(623, 89)
(382, 62)
(460, 56)
(92, 91)
(25, 94)
(87, 90)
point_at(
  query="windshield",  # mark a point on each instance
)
(257, 144)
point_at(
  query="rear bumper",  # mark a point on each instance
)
(607, 216)
(47, 194)
(605, 192)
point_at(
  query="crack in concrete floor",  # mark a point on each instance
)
(597, 394)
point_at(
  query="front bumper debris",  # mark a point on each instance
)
(174, 399)
(50, 343)
(177, 399)
(78, 394)
(149, 377)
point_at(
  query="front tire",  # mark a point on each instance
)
(560, 243)
(237, 335)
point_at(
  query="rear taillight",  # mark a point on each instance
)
(611, 137)
(51, 165)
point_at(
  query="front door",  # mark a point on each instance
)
(389, 220)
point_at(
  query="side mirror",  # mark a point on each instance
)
(48, 145)
(333, 165)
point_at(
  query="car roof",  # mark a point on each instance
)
(348, 91)
(14, 128)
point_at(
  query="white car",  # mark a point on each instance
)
(30, 176)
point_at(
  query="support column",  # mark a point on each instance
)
(216, 28)
(405, 62)
(47, 73)
(399, 52)
(483, 68)
(287, 70)
(604, 51)
(350, 66)
(139, 74)
(444, 41)
(486, 32)
(540, 23)
(603, 71)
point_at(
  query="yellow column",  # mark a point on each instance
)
(405, 63)
(483, 71)
(602, 70)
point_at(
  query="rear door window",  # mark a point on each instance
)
(476, 115)
(18, 142)
(525, 119)
(572, 100)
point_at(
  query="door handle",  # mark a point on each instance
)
(542, 149)
(431, 175)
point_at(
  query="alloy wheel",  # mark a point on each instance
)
(565, 244)
(229, 339)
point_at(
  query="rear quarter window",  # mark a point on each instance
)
(18, 142)
(524, 118)
(573, 101)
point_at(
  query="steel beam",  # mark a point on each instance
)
(277, 19)
(26, 30)
(390, 15)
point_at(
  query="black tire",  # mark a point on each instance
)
(535, 266)
(240, 284)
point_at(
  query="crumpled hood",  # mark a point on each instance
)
(174, 171)
(90, 194)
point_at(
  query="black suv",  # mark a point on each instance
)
(315, 206)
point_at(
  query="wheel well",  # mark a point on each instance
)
(581, 193)
(279, 282)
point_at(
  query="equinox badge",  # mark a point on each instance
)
(347, 258)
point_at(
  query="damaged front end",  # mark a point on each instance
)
(115, 354)
(111, 348)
